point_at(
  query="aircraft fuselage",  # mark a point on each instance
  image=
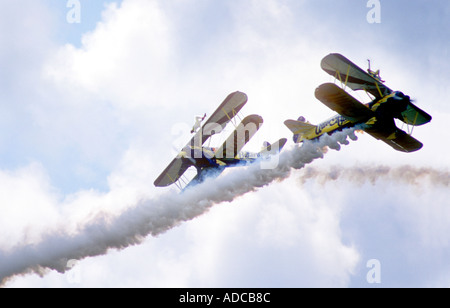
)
(389, 107)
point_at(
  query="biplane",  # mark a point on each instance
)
(377, 117)
(211, 161)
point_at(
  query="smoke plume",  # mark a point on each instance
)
(154, 217)
(409, 175)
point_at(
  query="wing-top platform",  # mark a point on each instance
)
(353, 76)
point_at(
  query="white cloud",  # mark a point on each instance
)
(25, 195)
(122, 60)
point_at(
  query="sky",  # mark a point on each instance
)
(91, 112)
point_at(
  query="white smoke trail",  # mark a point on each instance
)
(154, 217)
(372, 173)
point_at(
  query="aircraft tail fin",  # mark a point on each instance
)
(300, 129)
(274, 148)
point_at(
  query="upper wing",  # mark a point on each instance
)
(173, 172)
(228, 109)
(239, 138)
(343, 103)
(220, 118)
(356, 78)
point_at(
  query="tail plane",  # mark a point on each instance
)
(300, 129)
(272, 149)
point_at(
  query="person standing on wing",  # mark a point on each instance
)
(198, 122)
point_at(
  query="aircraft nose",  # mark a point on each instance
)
(399, 95)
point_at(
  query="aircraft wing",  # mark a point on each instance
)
(352, 75)
(239, 138)
(220, 118)
(343, 103)
(413, 115)
(397, 139)
(173, 172)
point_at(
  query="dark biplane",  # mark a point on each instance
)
(211, 161)
(376, 118)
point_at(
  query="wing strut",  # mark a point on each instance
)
(410, 127)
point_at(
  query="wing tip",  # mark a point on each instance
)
(253, 118)
(236, 94)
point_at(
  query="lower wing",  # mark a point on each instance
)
(397, 139)
(173, 172)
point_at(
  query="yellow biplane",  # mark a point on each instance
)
(210, 161)
(376, 118)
